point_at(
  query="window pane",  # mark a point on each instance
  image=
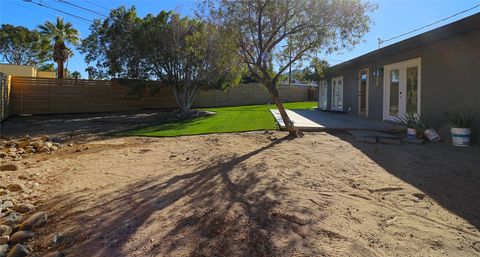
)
(394, 91)
(412, 89)
(363, 92)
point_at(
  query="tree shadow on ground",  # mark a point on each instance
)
(452, 176)
(218, 210)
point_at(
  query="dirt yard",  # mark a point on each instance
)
(251, 195)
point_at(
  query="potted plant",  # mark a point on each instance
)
(424, 127)
(461, 121)
(410, 121)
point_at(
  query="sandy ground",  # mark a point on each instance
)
(246, 195)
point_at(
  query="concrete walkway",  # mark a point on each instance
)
(315, 120)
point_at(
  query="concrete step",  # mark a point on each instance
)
(373, 136)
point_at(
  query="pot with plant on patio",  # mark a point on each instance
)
(461, 121)
(410, 121)
(424, 128)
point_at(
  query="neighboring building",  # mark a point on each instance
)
(25, 71)
(432, 73)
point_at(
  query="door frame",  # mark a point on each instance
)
(322, 88)
(366, 91)
(333, 93)
(402, 67)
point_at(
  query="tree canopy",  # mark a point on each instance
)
(184, 53)
(271, 35)
(19, 45)
(60, 34)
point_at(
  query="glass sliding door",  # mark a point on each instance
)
(412, 89)
(337, 94)
(394, 84)
(323, 95)
(363, 93)
(402, 89)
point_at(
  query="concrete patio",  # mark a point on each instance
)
(315, 120)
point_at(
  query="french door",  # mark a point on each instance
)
(363, 93)
(322, 95)
(337, 94)
(402, 89)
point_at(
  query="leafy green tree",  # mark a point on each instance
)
(19, 45)
(74, 75)
(111, 49)
(60, 34)
(186, 54)
(316, 71)
(271, 35)
(47, 67)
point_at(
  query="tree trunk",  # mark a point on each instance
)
(292, 131)
(185, 97)
(60, 69)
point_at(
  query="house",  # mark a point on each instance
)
(431, 73)
(25, 71)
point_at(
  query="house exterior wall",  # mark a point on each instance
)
(46, 74)
(450, 71)
(18, 70)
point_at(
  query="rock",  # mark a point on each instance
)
(48, 144)
(37, 144)
(36, 220)
(57, 145)
(7, 204)
(3, 250)
(11, 220)
(9, 167)
(23, 144)
(53, 148)
(45, 138)
(21, 236)
(12, 150)
(14, 187)
(3, 154)
(43, 149)
(26, 138)
(5, 230)
(18, 251)
(30, 149)
(24, 207)
(53, 254)
(70, 145)
(4, 239)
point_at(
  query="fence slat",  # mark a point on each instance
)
(49, 96)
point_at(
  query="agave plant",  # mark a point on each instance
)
(409, 120)
(461, 118)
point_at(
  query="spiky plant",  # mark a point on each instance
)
(461, 118)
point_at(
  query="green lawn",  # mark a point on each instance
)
(226, 119)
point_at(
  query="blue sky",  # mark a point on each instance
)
(393, 17)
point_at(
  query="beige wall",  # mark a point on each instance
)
(18, 70)
(46, 74)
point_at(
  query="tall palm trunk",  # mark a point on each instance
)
(60, 68)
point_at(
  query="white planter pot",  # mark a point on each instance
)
(461, 136)
(411, 133)
(432, 135)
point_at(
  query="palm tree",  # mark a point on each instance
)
(59, 34)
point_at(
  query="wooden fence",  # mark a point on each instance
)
(4, 96)
(51, 96)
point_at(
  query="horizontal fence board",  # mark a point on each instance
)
(49, 96)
